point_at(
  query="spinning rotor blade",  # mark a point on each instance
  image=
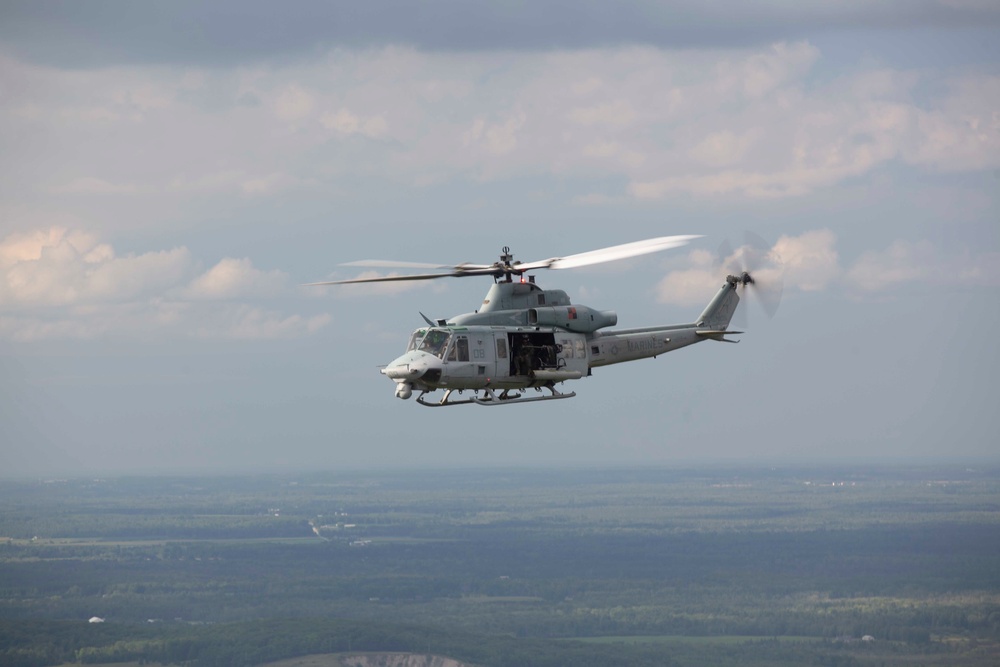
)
(505, 268)
(768, 273)
(459, 271)
(756, 259)
(383, 279)
(623, 251)
(392, 264)
(729, 261)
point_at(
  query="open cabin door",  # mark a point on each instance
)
(531, 351)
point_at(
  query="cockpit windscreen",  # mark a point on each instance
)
(435, 342)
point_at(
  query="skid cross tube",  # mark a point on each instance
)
(491, 398)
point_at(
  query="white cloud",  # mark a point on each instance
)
(762, 72)
(921, 262)
(56, 283)
(618, 113)
(720, 149)
(58, 268)
(270, 184)
(496, 138)
(28, 246)
(294, 103)
(745, 123)
(161, 318)
(345, 122)
(147, 96)
(962, 134)
(902, 262)
(247, 322)
(694, 285)
(232, 278)
(810, 262)
(89, 185)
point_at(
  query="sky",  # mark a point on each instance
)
(171, 174)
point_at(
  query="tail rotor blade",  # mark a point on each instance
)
(756, 259)
(766, 269)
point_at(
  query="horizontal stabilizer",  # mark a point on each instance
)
(717, 334)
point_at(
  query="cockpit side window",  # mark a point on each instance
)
(460, 350)
(435, 342)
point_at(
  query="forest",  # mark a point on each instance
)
(671, 566)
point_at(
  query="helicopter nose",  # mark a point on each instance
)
(406, 367)
(403, 372)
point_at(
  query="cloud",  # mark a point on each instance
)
(694, 285)
(754, 123)
(345, 122)
(905, 262)
(28, 246)
(618, 113)
(963, 133)
(240, 30)
(270, 184)
(810, 262)
(242, 321)
(723, 148)
(497, 138)
(58, 283)
(233, 278)
(162, 318)
(294, 103)
(89, 185)
(362, 290)
(764, 71)
(56, 267)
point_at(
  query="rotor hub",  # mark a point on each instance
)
(743, 279)
(505, 268)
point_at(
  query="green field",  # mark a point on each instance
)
(703, 641)
(508, 567)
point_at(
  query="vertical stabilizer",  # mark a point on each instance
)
(720, 310)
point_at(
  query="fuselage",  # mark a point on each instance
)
(525, 337)
(479, 357)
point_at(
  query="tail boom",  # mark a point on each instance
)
(616, 346)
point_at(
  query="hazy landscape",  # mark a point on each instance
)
(759, 566)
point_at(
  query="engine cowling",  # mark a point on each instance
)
(573, 318)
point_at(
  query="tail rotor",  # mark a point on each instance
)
(755, 269)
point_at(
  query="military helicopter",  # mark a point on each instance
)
(525, 337)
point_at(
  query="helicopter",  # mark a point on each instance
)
(524, 337)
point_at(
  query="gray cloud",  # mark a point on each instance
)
(105, 32)
(166, 186)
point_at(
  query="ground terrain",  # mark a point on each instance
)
(507, 567)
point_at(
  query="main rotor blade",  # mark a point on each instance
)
(392, 264)
(612, 253)
(457, 273)
(502, 268)
(384, 279)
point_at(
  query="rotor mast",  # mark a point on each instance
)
(506, 257)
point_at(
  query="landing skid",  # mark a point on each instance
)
(490, 397)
